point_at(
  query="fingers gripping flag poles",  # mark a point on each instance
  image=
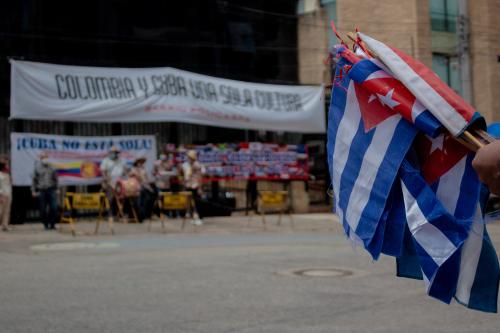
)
(403, 185)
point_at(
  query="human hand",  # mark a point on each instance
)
(487, 165)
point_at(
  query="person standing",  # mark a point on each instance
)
(163, 171)
(146, 196)
(112, 169)
(44, 188)
(166, 178)
(5, 194)
(193, 171)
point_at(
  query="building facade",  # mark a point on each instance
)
(248, 41)
(457, 38)
(228, 39)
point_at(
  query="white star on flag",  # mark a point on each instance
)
(387, 99)
(437, 143)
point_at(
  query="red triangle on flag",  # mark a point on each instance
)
(437, 156)
(372, 111)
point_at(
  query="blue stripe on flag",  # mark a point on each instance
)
(438, 235)
(427, 123)
(335, 114)
(386, 174)
(348, 179)
(395, 226)
(427, 264)
(407, 263)
(362, 70)
(455, 230)
(469, 192)
(443, 286)
(484, 292)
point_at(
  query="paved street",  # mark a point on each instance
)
(226, 276)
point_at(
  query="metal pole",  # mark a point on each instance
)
(464, 50)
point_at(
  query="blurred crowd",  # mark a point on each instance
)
(132, 187)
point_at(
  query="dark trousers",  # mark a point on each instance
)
(197, 201)
(48, 207)
(146, 203)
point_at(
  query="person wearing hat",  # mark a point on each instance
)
(192, 171)
(44, 187)
(112, 168)
(5, 194)
(146, 196)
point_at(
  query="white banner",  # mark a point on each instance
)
(75, 158)
(99, 94)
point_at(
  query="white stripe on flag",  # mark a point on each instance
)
(471, 252)
(429, 97)
(378, 75)
(374, 155)
(347, 129)
(448, 190)
(430, 238)
(416, 110)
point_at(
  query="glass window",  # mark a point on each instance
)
(300, 7)
(448, 70)
(331, 12)
(443, 15)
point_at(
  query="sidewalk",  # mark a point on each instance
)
(319, 222)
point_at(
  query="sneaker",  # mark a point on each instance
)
(197, 222)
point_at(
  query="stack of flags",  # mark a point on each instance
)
(402, 176)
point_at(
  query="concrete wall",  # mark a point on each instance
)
(484, 16)
(313, 47)
(404, 24)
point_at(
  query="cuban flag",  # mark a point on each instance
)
(417, 200)
(365, 152)
(446, 242)
(453, 112)
(387, 96)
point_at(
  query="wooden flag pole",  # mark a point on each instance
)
(473, 140)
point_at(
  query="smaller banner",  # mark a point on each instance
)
(253, 160)
(76, 159)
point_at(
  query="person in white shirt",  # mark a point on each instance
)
(192, 171)
(5, 194)
(112, 168)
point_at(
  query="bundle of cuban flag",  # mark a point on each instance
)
(403, 186)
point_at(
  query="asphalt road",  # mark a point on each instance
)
(215, 281)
